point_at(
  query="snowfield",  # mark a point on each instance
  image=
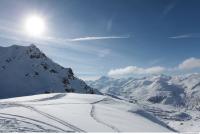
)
(71, 112)
(173, 100)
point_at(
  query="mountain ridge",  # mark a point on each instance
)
(180, 90)
(26, 70)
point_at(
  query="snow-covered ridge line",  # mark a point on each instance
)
(174, 100)
(25, 70)
(182, 90)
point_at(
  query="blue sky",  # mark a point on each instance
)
(111, 37)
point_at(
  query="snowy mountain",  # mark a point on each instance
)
(183, 90)
(25, 70)
(174, 100)
(71, 112)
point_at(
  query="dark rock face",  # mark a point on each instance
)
(156, 99)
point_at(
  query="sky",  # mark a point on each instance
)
(117, 38)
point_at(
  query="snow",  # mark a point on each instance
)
(25, 70)
(171, 100)
(71, 112)
(168, 90)
(157, 103)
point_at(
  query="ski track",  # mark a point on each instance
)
(94, 116)
(38, 126)
(76, 129)
(22, 117)
(58, 96)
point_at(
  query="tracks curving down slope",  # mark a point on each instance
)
(94, 116)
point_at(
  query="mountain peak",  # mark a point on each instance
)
(29, 71)
(21, 46)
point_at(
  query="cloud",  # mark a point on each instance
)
(169, 7)
(89, 78)
(180, 36)
(185, 36)
(18, 34)
(20, 37)
(190, 63)
(136, 70)
(98, 38)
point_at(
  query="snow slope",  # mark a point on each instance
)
(71, 112)
(170, 90)
(174, 100)
(25, 70)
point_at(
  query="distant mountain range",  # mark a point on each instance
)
(25, 70)
(181, 91)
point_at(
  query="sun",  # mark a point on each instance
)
(35, 25)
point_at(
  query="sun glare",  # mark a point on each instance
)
(35, 25)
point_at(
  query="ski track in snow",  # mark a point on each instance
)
(57, 96)
(18, 120)
(76, 129)
(27, 118)
(92, 113)
(94, 116)
(39, 126)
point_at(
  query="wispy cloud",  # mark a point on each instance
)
(185, 36)
(180, 36)
(19, 34)
(169, 7)
(20, 37)
(98, 38)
